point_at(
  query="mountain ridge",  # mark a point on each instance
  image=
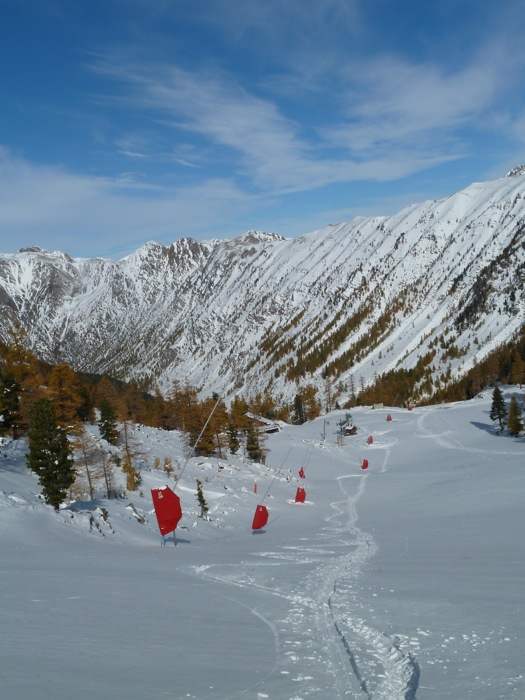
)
(348, 301)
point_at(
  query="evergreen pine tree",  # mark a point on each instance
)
(201, 499)
(233, 439)
(108, 423)
(85, 409)
(253, 445)
(298, 417)
(50, 455)
(498, 409)
(515, 423)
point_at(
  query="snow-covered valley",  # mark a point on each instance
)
(401, 581)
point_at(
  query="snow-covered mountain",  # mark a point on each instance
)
(442, 280)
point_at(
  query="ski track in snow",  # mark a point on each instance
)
(309, 592)
(324, 639)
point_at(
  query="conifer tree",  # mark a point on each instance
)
(184, 405)
(162, 411)
(130, 451)
(133, 404)
(263, 405)
(10, 404)
(238, 410)
(21, 382)
(311, 404)
(518, 369)
(233, 439)
(498, 409)
(65, 394)
(298, 417)
(515, 423)
(88, 458)
(133, 477)
(205, 427)
(253, 445)
(49, 453)
(198, 438)
(85, 409)
(328, 393)
(19, 360)
(106, 389)
(108, 423)
(218, 423)
(108, 463)
(201, 499)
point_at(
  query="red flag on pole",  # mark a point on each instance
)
(260, 518)
(370, 440)
(365, 464)
(300, 495)
(167, 509)
(301, 473)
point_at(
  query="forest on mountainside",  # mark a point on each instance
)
(52, 404)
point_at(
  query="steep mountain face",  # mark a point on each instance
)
(442, 280)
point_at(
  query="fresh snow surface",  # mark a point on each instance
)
(402, 581)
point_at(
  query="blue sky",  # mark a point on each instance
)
(124, 121)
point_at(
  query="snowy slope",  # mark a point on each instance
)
(241, 315)
(402, 581)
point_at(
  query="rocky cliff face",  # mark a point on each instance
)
(350, 300)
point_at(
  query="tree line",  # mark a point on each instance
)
(52, 405)
(505, 364)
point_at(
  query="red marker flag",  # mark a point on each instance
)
(365, 464)
(167, 509)
(301, 473)
(300, 495)
(260, 518)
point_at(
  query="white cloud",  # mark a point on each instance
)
(57, 209)
(270, 149)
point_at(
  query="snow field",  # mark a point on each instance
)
(402, 581)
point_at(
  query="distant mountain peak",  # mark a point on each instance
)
(260, 237)
(518, 170)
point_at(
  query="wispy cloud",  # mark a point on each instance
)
(391, 118)
(207, 118)
(52, 206)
